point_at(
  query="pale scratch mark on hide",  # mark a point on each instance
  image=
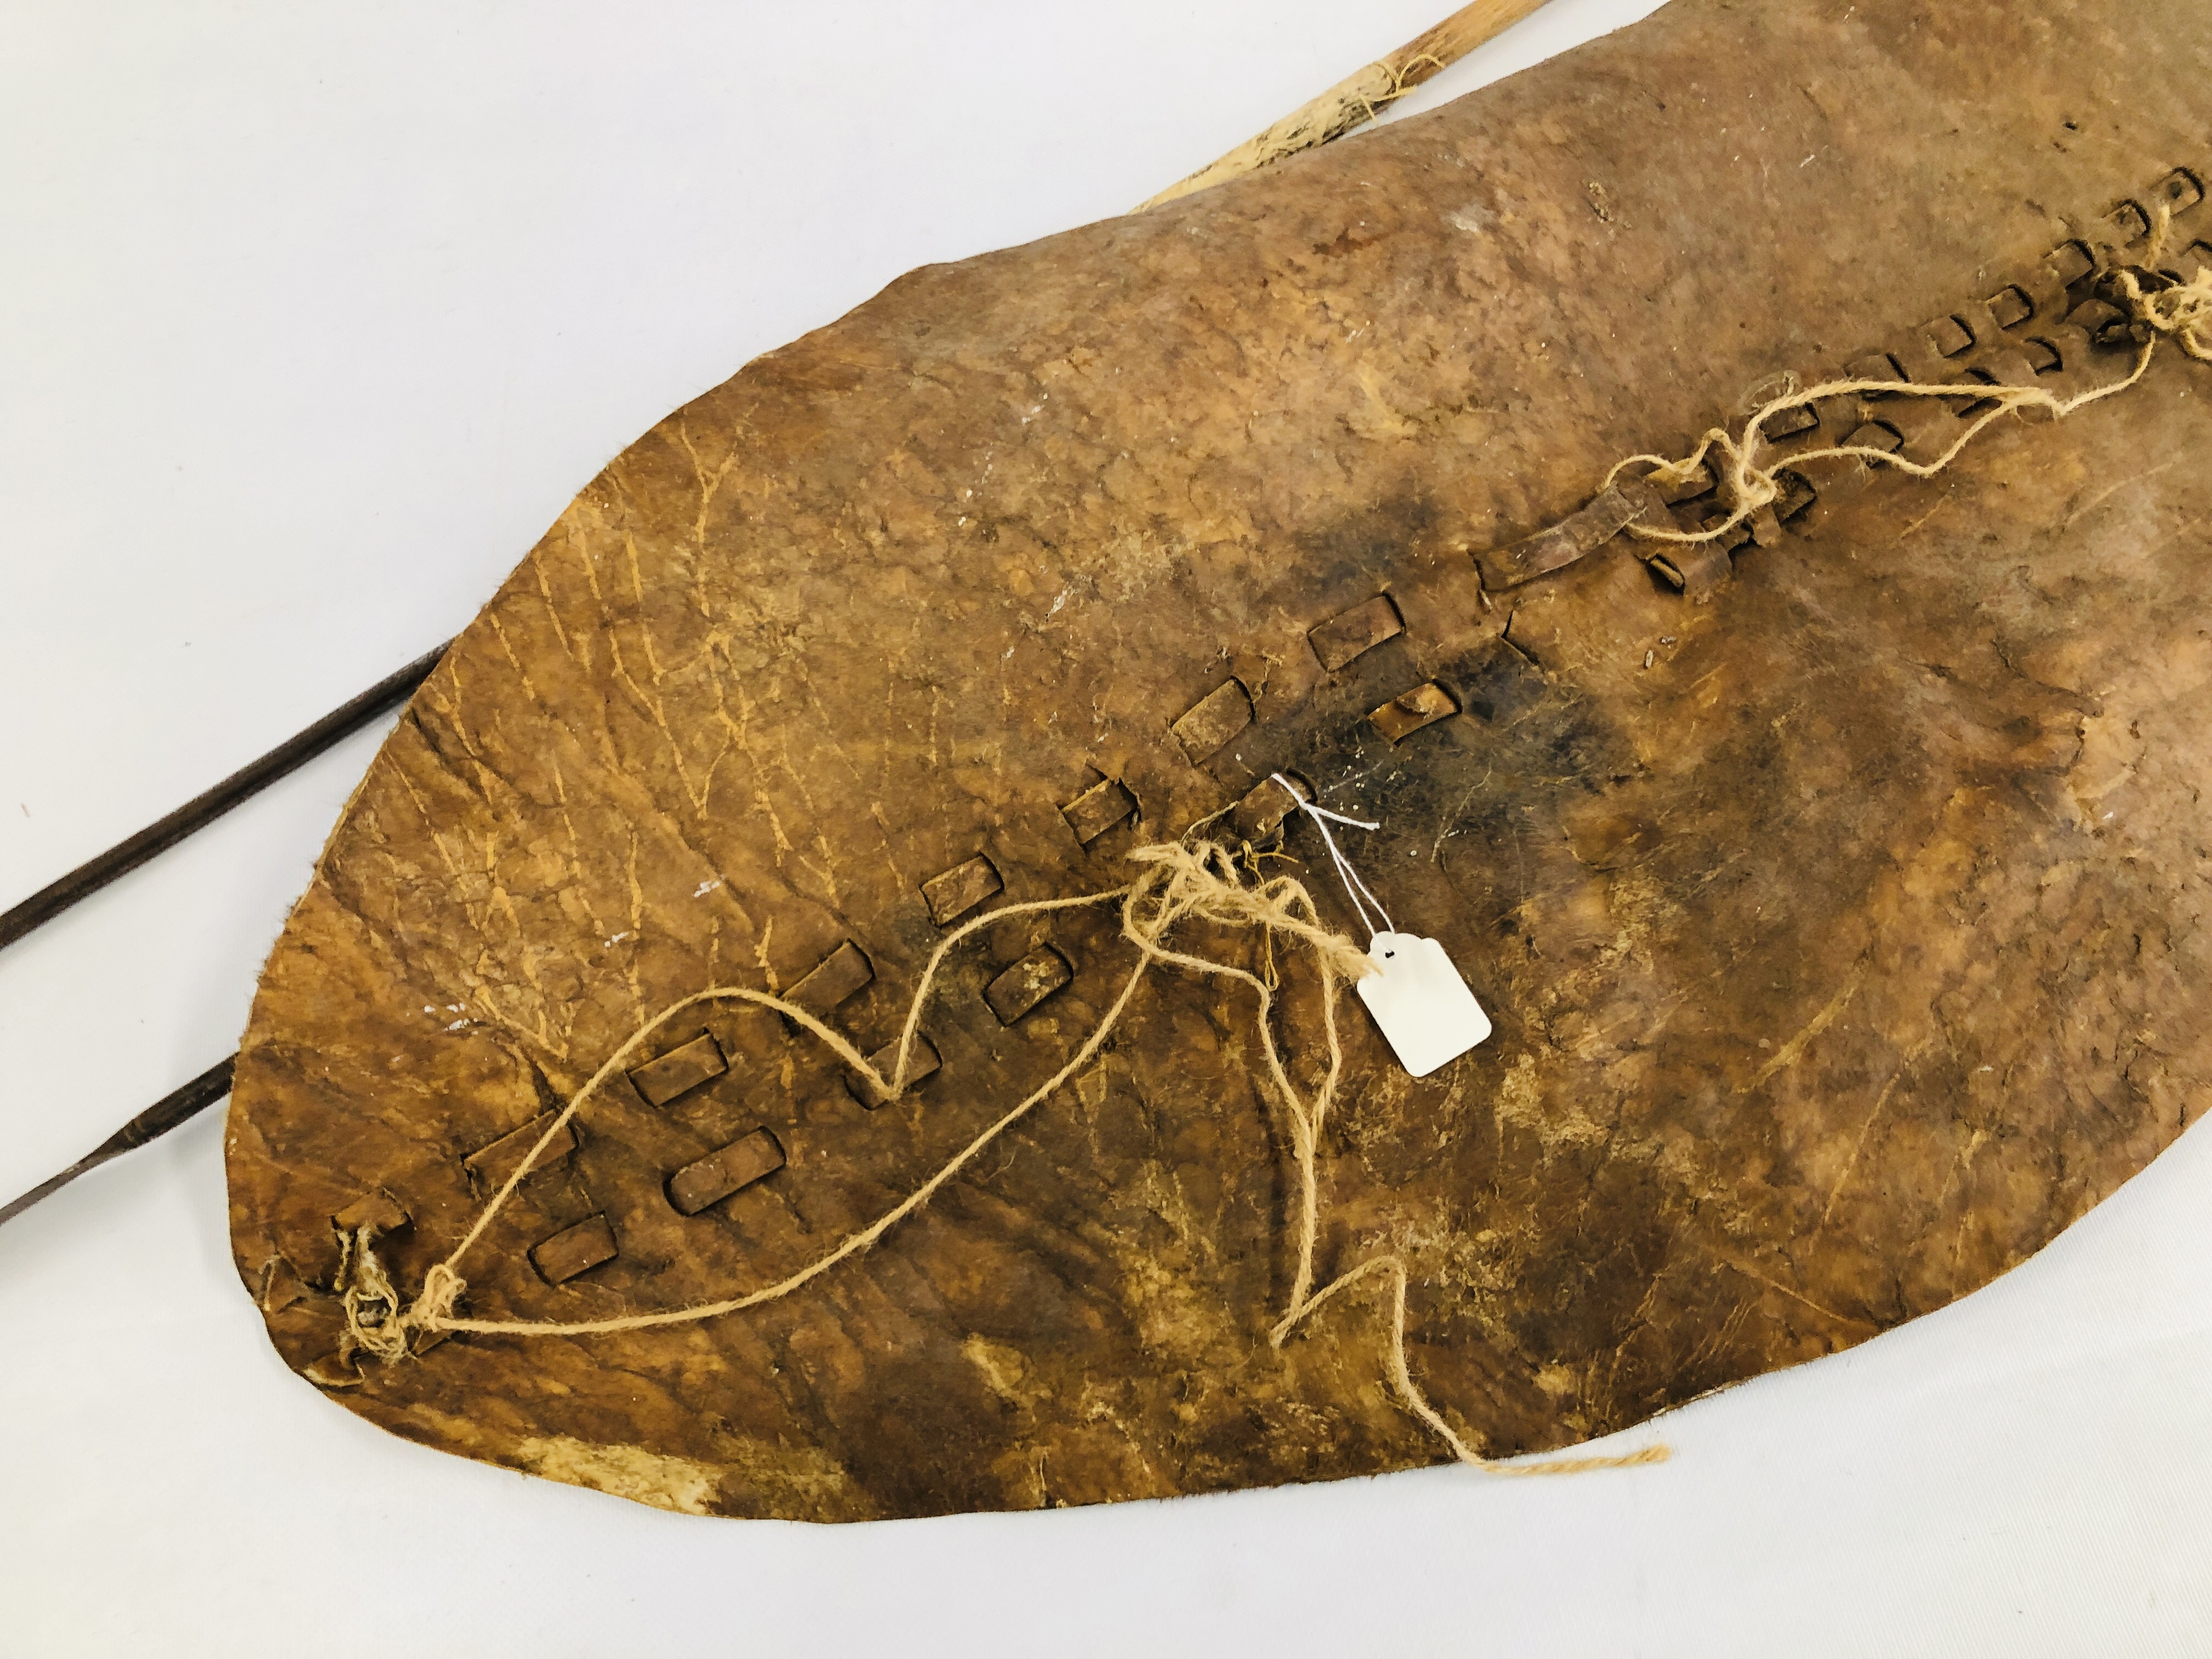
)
(599, 599)
(709, 654)
(538, 1028)
(762, 798)
(636, 888)
(1638, 1317)
(760, 954)
(1858, 1145)
(1664, 1016)
(497, 900)
(553, 612)
(1758, 1278)
(890, 705)
(828, 727)
(1790, 1052)
(825, 725)
(580, 881)
(2114, 488)
(575, 863)
(1941, 502)
(895, 680)
(1451, 819)
(1714, 1343)
(437, 836)
(1962, 1176)
(1717, 872)
(826, 871)
(537, 1032)
(651, 700)
(708, 486)
(891, 845)
(507, 645)
(637, 931)
(450, 708)
(637, 593)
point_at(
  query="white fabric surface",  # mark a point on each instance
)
(312, 318)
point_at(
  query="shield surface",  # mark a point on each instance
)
(1833, 885)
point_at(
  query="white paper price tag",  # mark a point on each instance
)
(1421, 1003)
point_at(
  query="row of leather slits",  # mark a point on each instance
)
(2048, 326)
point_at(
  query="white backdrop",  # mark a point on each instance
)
(312, 318)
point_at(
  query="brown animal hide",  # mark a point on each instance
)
(1837, 895)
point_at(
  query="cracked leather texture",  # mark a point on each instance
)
(1842, 931)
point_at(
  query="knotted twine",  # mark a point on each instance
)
(1180, 881)
(2159, 304)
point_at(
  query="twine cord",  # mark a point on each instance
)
(1178, 882)
(1185, 880)
(2161, 306)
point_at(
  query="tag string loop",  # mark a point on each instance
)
(1354, 888)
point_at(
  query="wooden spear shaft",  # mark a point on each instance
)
(1354, 102)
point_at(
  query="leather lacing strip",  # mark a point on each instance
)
(2127, 280)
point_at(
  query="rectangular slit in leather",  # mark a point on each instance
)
(1207, 725)
(844, 973)
(1360, 630)
(1263, 809)
(1877, 434)
(681, 1069)
(2009, 307)
(2070, 262)
(1028, 982)
(1407, 713)
(1876, 366)
(490, 1167)
(2069, 344)
(1098, 809)
(1496, 680)
(1726, 542)
(1924, 424)
(1573, 538)
(1693, 568)
(2046, 291)
(728, 1169)
(574, 1250)
(1981, 406)
(922, 1063)
(961, 889)
(2103, 324)
(378, 1210)
(2130, 220)
(1698, 483)
(1797, 494)
(1947, 337)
